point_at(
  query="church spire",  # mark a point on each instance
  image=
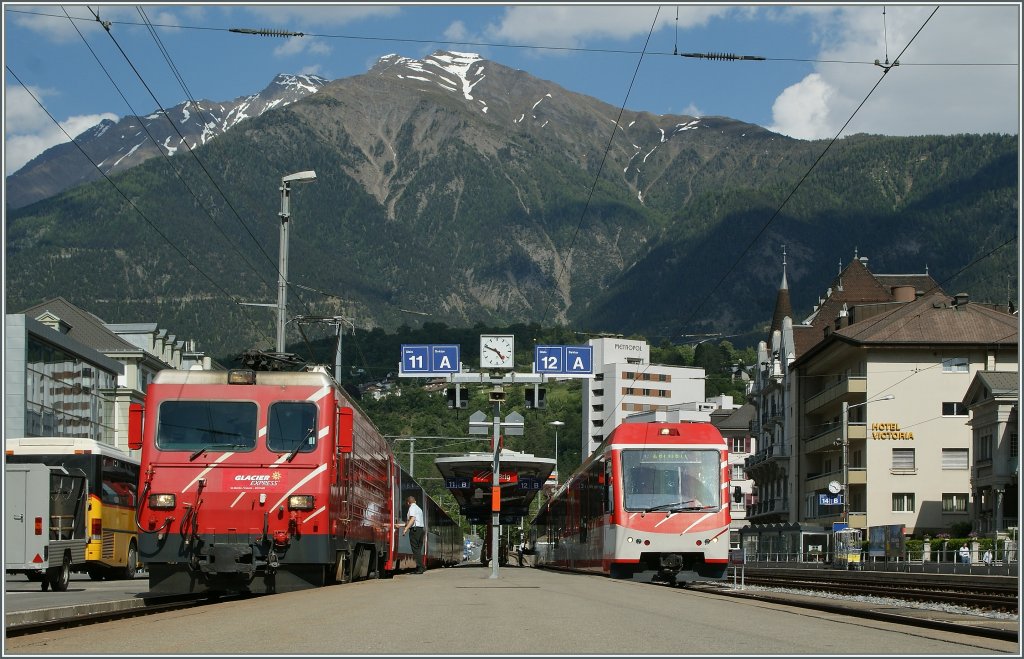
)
(783, 306)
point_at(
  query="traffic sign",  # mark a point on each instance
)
(426, 359)
(579, 359)
(563, 360)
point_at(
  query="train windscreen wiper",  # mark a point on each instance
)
(203, 449)
(678, 505)
(298, 445)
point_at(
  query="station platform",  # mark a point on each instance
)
(464, 610)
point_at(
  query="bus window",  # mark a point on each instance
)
(186, 425)
(292, 427)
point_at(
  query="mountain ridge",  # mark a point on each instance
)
(457, 187)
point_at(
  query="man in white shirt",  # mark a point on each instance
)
(414, 527)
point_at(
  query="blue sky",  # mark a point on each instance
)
(960, 72)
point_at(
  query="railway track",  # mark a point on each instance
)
(971, 595)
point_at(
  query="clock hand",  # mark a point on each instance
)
(496, 351)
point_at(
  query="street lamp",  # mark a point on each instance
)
(846, 452)
(282, 267)
(557, 425)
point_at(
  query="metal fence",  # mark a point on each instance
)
(943, 561)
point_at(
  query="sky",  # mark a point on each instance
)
(958, 65)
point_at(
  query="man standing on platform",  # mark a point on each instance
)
(414, 527)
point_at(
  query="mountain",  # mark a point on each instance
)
(479, 194)
(116, 147)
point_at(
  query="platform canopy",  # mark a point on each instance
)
(470, 478)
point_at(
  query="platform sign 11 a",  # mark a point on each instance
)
(426, 359)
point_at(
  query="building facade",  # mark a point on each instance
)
(130, 355)
(625, 382)
(55, 385)
(992, 401)
(861, 411)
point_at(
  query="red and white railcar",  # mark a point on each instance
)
(263, 482)
(651, 503)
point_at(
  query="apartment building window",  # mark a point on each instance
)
(1013, 445)
(737, 473)
(955, 458)
(599, 392)
(903, 459)
(954, 503)
(903, 502)
(741, 445)
(954, 365)
(954, 409)
(984, 451)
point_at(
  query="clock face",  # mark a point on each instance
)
(835, 487)
(496, 350)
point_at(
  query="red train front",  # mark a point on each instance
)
(650, 503)
(260, 482)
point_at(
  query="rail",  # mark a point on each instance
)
(1004, 561)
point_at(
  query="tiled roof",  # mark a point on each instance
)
(923, 283)
(85, 328)
(740, 418)
(935, 319)
(1000, 381)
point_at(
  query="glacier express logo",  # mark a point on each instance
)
(254, 478)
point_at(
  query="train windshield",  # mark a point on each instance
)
(671, 479)
(197, 425)
(291, 427)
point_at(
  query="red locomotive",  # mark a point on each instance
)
(270, 481)
(651, 503)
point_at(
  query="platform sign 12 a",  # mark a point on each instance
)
(422, 359)
(563, 360)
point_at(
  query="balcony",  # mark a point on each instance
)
(831, 437)
(837, 392)
(771, 452)
(774, 507)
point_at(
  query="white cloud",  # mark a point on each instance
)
(693, 111)
(293, 46)
(572, 26)
(802, 110)
(960, 73)
(28, 131)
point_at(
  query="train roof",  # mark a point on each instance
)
(686, 432)
(315, 378)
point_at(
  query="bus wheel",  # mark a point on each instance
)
(59, 577)
(131, 565)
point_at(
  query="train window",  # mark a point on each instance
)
(189, 425)
(292, 427)
(671, 479)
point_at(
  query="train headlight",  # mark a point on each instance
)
(161, 501)
(300, 502)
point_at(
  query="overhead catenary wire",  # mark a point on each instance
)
(166, 157)
(707, 296)
(131, 203)
(191, 151)
(491, 44)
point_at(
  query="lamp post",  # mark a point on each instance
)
(846, 452)
(412, 447)
(557, 425)
(282, 266)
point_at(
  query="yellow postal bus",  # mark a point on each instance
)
(112, 551)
